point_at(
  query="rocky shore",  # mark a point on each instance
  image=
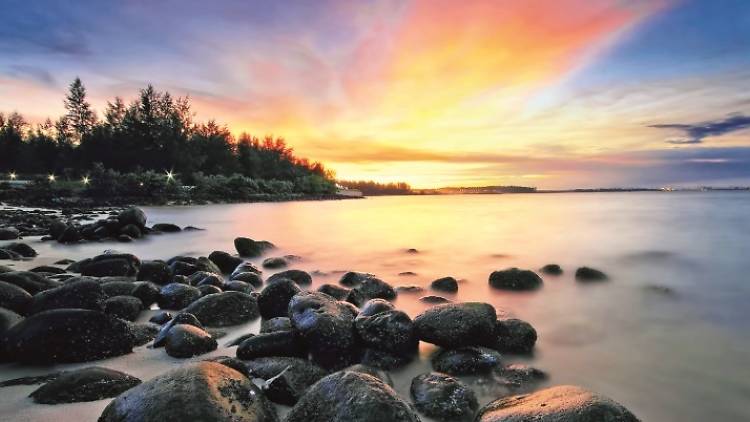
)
(323, 354)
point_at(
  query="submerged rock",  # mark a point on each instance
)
(590, 274)
(515, 279)
(224, 309)
(273, 300)
(82, 385)
(207, 391)
(457, 324)
(275, 262)
(251, 248)
(81, 294)
(466, 360)
(556, 404)
(445, 284)
(443, 397)
(375, 288)
(434, 299)
(551, 269)
(351, 396)
(177, 296)
(186, 341)
(354, 279)
(300, 277)
(514, 336)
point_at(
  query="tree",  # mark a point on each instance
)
(81, 119)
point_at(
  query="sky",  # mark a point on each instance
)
(552, 94)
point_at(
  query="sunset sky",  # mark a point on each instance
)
(559, 93)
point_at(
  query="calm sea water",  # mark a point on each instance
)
(677, 355)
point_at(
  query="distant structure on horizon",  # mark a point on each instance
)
(486, 190)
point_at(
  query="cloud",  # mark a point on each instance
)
(697, 132)
(32, 73)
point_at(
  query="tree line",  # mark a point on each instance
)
(155, 132)
(370, 188)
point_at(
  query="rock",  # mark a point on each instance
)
(64, 262)
(112, 265)
(155, 271)
(130, 230)
(206, 391)
(514, 336)
(123, 307)
(298, 276)
(445, 284)
(327, 328)
(68, 336)
(22, 249)
(375, 288)
(337, 292)
(69, 235)
(181, 318)
(14, 298)
(224, 309)
(434, 299)
(47, 269)
(82, 294)
(407, 274)
(199, 278)
(177, 296)
(354, 279)
(147, 292)
(551, 269)
(205, 264)
(382, 359)
(371, 371)
(238, 286)
(8, 319)
(515, 279)
(279, 343)
(183, 268)
(186, 341)
(273, 300)
(245, 267)
(409, 289)
(249, 278)
(6, 254)
(590, 274)
(8, 233)
(33, 283)
(287, 378)
(250, 248)
(466, 360)
(375, 306)
(457, 324)
(82, 385)
(275, 324)
(161, 318)
(56, 228)
(275, 262)
(208, 289)
(115, 287)
(134, 216)
(351, 396)
(390, 331)
(166, 228)
(239, 340)
(226, 262)
(557, 404)
(443, 397)
(518, 376)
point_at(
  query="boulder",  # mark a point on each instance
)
(199, 278)
(351, 396)
(226, 262)
(586, 274)
(337, 292)
(206, 391)
(375, 288)
(82, 385)
(551, 269)
(445, 284)
(208, 289)
(466, 360)
(514, 336)
(273, 300)
(275, 324)
(515, 279)
(22, 249)
(116, 265)
(245, 267)
(115, 287)
(132, 215)
(123, 307)
(155, 271)
(453, 325)
(375, 306)
(556, 404)
(33, 283)
(67, 336)
(183, 268)
(278, 343)
(287, 378)
(14, 298)
(186, 341)
(250, 248)
(8, 233)
(181, 318)
(147, 292)
(443, 397)
(69, 235)
(131, 230)
(389, 331)
(300, 277)
(238, 286)
(224, 309)
(354, 279)
(275, 262)
(177, 296)
(432, 299)
(166, 228)
(81, 294)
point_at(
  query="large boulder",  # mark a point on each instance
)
(186, 341)
(8, 233)
(556, 404)
(251, 248)
(587, 274)
(226, 262)
(155, 271)
(206, 391)
(327, 328)
(224, 309)
(375, 288)
(110, 265)
(443, 397)
(81, 294)
(273, 300)
(300, 277)
(445, 284)
(515, 279)
(22, 249)
(177, 296)
(68, 335)
(132, 215)
(287, 378)
(14, 298)
(32, 282)
(123, 307)
(82, 385)
(351, 396)
(277, 343)
(453, 325)
(390, 331)
(514, 336)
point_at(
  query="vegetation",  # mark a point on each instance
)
(370, 188)
(130, 149)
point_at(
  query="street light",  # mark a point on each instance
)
(85, 180)
(12, 175)
(51, 177)
(170, 176)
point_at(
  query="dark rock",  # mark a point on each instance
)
(64, 262)
(375, 288)
(8, 233)
(181, 318)
(390, 331)
(238, 286)
(6, 254)
(245, 267)
(356, 298)
(287, 378)
(279, 343)
(123, 307)
(407, 274)
(207, 391)
(351, 396)
(337, 292)
(590, 274)
(33, 283)
(114, 287)
(144, 332)
(375, 306)
(327, 328)
(381, 359)
(457, 324)
(22, 249)
(56, 228)
(445, 284)
(443, 397)
(224, 309)
(557, 404)
(354, 279)
(68, 335)
(252, 279)
(371, 371)
(155, 271)
(134, 216)
(166, 227)
(131, 230)
(515, 279)
(300, 277)
(47, 269)
(226, 262)
(177, 296)
(275, 262)
(69, 235)
(205, 264)
(82, 385)
(434, 299)
(161, 318)
(250, 248)
(240, 339)
(183, 268)
(82, 294)
(208, 289)
(111, 265)
(409, 289)
(273, 300)
(186, 341)
(203, 277)
(8, 319)
(233, 363)
(466, 360)
(551, 269)
(518, 376)
(14, 298)
(275, 324)
(514, 336)
(147, 292)
(412, 250)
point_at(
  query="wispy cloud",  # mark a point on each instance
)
(697, 132)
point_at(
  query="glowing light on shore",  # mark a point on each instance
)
(51, 177)
(86, 180)
(170, 176)
(12, 175)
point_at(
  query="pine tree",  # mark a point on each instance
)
(80, 118)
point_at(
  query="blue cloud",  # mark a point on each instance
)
(696, 133)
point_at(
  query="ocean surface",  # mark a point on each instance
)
(667, 336)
